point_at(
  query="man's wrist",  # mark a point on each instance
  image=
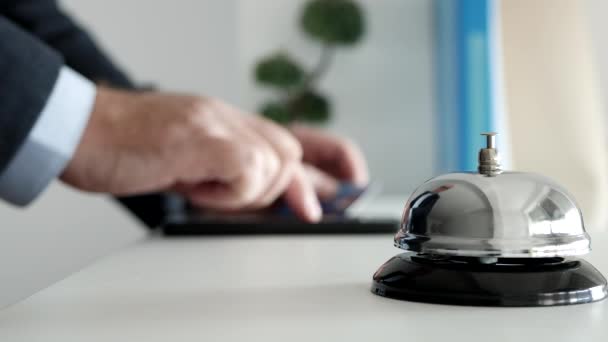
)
(52, 140)
(107, 134)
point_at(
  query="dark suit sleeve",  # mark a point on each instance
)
(45, 20)
(28, 71)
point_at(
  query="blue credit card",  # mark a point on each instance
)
(346, 195)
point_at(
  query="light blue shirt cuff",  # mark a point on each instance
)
(52, 141)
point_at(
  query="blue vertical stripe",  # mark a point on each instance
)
(464, 80)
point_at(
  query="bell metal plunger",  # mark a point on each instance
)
(491, 238)
(489, 163)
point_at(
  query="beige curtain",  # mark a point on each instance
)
(555, 111)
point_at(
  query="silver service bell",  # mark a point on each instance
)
(491, 238)
(493, 214)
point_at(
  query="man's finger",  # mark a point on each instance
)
(234, 180)
(336, 156)
(301, 197)
(325, 185)
(278, 186)
(288, 150)
(284, 143)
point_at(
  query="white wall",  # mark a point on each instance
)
(182, 45)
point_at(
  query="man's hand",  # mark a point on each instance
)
(214, 154)
(329, 160)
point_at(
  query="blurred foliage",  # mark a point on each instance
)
(332, 23)
(277, 112)
(279, 71)
(311, 107)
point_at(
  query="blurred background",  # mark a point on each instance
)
(381, 88)
(542, 65)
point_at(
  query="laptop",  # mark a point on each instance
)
(344, 213)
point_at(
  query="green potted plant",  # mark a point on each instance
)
(332, 23)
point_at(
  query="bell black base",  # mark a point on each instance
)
(508, 282)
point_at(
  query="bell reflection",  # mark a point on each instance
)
(420, 207)
(553, 214)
